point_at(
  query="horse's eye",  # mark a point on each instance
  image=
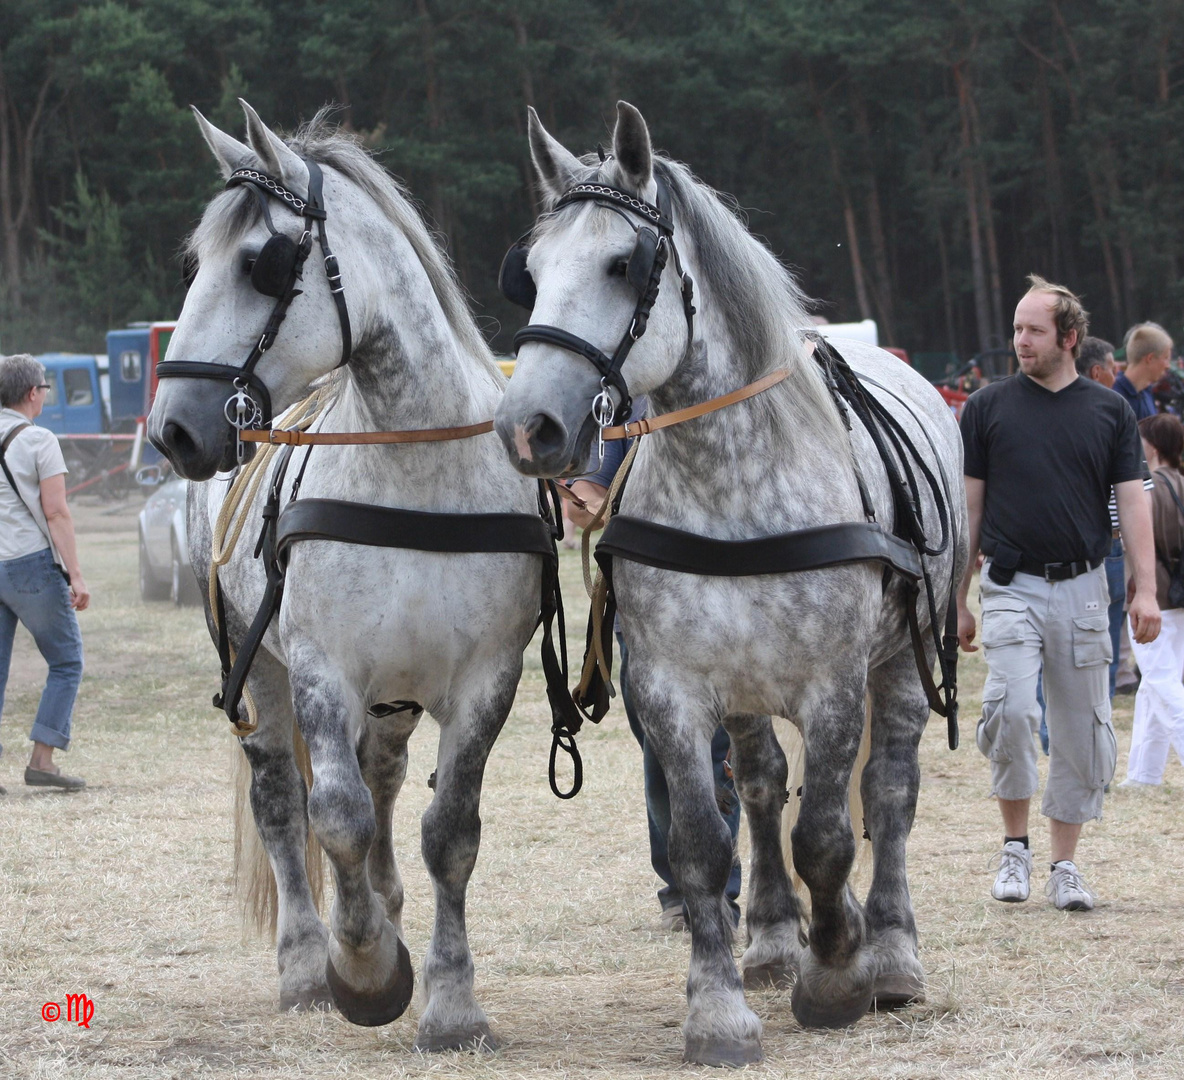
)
(248, 264)
(618, 267)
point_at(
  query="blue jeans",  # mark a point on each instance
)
(33, 591)
(657, 802)
(1115, 579)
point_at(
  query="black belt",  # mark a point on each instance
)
(1056, 571)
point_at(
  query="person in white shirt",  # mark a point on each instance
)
(41, 582)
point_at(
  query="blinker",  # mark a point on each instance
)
(275, 266)
(641, 260)
(514, 280)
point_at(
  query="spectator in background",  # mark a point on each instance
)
(1159, 704)
(1148, 353)
(41, 582)
(1096, 362)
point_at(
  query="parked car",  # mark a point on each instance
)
(165, 573)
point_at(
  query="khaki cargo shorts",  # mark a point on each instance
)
(1062, 625)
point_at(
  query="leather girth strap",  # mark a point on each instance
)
(381, 526)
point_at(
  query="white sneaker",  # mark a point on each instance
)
(1130, 783)
(1067, 889)
(1015, 870)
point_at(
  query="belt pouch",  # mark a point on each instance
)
(1004, 563)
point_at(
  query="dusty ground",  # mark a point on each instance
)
(123, 893)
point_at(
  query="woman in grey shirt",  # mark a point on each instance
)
(41, 582)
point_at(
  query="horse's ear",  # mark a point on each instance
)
(228, 151)
(558, 167)
(631, 147)
(278, 159)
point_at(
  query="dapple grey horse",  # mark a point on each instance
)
(811, 646)
(359, 626)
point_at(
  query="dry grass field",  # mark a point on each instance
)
(123, 893)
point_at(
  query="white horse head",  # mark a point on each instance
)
(578, 260)
(402, 300)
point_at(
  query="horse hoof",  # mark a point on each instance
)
(897, 990)
(828, 1014)
(377, 1007)
(732, 1053)
(478, 1038)
(769, 976)
(316, 999)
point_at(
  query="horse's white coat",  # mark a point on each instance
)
(360, 625)
(808, 646)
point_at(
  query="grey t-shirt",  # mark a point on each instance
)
(32, 456)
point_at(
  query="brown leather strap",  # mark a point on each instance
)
(655, 423)
(335, 438)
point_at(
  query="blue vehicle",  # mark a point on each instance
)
(74, 402)
(96, 403)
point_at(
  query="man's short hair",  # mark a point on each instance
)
(18, 375)
(1144, 340)
(1067, 310)
(1093, 351)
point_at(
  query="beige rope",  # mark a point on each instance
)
(233, 516)
(598, 589)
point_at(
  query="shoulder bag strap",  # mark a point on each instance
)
(4, 446)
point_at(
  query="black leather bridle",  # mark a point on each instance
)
(652, 248)
(274, 272)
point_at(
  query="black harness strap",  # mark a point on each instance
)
(381, 526)
(817, 548)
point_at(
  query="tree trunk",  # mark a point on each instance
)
(435, 110)
(527, 86)
(984, 188)
(982, 315)
(861, 298)
(882, 293)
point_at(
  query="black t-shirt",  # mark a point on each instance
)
(1049, 460)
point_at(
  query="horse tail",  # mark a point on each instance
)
(795, 753)
(254, 881)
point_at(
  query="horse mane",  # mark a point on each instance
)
(762, 304)
(327, 144)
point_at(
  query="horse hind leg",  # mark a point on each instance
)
(836, 973)
(275, 889)
(382, 760)
(368, 969)
(773, 916)
(451, 831)
(891, 780)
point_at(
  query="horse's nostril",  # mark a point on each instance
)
(546, 435)
(176, 443)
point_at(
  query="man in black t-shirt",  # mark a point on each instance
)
(1043, 449)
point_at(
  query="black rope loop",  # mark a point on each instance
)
(562, 739)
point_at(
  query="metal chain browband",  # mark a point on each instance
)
(274, 272)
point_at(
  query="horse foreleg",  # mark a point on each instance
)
(277, 796)
(451, 829)
(890, 783)
(835, 975)
(368, 968)
(773, 915)
(720, 1028)
(382, 760)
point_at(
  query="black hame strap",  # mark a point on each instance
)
(381, 526)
